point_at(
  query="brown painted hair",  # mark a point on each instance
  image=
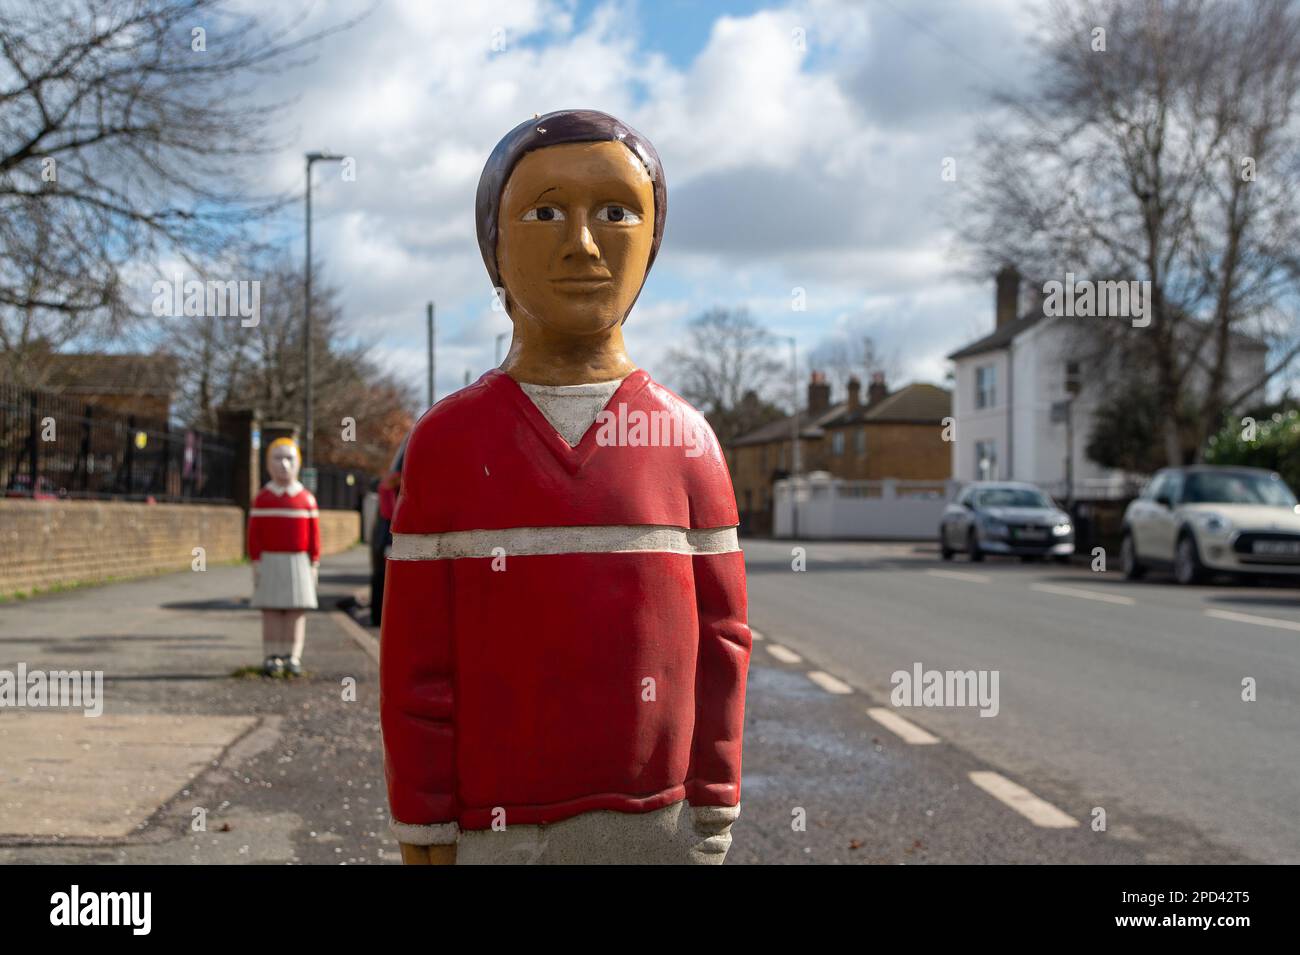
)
(562, 126)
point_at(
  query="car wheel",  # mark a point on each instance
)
(973, 546)
(945, 551)
(1128, 558)
(1188, 568)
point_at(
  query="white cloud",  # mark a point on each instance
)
(816, 167)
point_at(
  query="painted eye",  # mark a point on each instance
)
(543, 214)
(617, 213)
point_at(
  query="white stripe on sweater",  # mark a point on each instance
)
(283, 512)
(527, 541)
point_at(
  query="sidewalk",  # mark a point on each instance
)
(278, 771)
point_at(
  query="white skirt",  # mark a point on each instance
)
(285, 582)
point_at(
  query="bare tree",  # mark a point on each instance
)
(1161, 149)
(850, 354)
(727, 355)
(127, 130)
(225, 364)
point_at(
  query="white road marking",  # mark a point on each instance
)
(907, 731)
(959, 575)
(1085, 594)
(756, 635)
(1251, 618)
(782, 654)
(829, 683)
(1037, 811)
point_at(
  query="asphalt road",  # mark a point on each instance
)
(1124, 697)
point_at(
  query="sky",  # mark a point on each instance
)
(802, 144)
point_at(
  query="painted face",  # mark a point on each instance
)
(575, 229)
(282, 462)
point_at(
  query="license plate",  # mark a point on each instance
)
(1032, 534)
(1276, 548)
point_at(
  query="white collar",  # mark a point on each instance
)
(282, 490)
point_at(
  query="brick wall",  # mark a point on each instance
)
(339, 530)
(907, 452)
(44, 543)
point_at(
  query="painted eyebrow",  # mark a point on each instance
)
(542, 193)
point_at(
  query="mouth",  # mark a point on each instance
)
(583, 283)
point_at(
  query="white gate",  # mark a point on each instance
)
(828, 507)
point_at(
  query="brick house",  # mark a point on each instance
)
(140, 385)
(898, 435)
(891, 435)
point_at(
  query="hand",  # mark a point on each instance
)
(315, 573)
(428, 855)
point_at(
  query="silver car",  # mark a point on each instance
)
(1003, 517)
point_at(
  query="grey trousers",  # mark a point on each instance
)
(673, 835)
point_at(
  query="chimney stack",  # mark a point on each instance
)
(855, 392)
(1008, 295)
(876, 391)
(819, 394)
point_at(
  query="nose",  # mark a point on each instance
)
(580, 241)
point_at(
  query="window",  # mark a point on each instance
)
(861, 442)
(1157, 486)
(837, 443)
(986, 460)
(1011, 497)
(986, 386)
(1073, 378)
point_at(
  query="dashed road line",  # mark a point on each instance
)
(1252, 618)
(1038, 811)
(907, 731)
(756, 635)
(782, 654)
(1085, 594)
(829, 683)
(959, 575)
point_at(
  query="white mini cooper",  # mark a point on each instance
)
(1205, 520)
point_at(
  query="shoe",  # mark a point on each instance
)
(273, 666)
(292, 667)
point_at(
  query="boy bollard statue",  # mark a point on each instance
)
(565, 646)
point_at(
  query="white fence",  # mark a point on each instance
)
(828, 507)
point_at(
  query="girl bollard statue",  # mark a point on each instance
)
(284, 545)
(565, 646)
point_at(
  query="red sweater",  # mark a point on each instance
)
(284, 523)
(564, 629)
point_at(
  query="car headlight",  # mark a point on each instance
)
(1216, 523)
(1061, 529)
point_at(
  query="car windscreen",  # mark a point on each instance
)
(1227, 487)
(1011, 497)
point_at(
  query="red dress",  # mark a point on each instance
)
(564, 628)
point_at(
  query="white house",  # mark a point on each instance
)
(1010, 398)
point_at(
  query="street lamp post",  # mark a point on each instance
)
(307, 423)
(429, 313)
(794, 438)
